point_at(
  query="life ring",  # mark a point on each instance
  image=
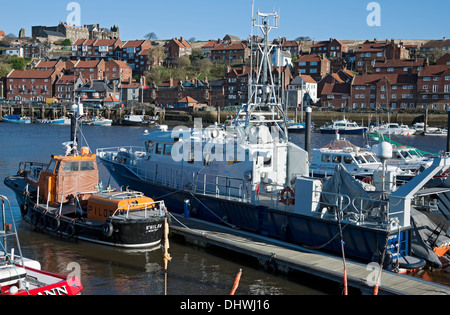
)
(33, 219)
(71, 230)
(284, 197)
(108, 229)
(121, 161)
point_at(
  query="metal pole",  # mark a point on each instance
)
(308, 129)
(448, 133)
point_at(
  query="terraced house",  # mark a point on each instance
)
(96, 49)
(434, 87)
(31, 85)
(390, 91)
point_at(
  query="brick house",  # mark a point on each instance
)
(298, 88)
(235, 86)
(390, 91)
(435, 47)
(96, 49)
(31, 85)
(51, 65)
(97, 91)
(132, 53)
(433, 86)
(34, 50)
(317, 66)
(118, 70)
(399, 66)
(176, 48)
(444, 60)
(229, 52)
(334, 89)
(171, 92)
(89, 69)
(332, 48)
(206, 49)
(66, 85)
(370, 52)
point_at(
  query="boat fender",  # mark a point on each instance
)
(71, 230)
(33, 219)
(108, 229)
(42, 222)
(55, 224)
(285, 196)
(24, 210)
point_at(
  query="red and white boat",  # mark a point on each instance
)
(22, 276)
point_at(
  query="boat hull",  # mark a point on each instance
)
(361, 243)
(359, 131)
(117, 232)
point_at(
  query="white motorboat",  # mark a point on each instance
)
(393, 129)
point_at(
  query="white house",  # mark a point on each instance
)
(281, 58)
(302, 88)
(14, 51)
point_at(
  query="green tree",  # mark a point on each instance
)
(18, 63)
(5, 69)
(66, 42)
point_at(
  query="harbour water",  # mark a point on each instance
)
(110, 271)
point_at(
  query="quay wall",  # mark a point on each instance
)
(186, 118)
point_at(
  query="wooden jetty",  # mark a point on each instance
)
(291, 257)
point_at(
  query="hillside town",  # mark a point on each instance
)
(65, 63)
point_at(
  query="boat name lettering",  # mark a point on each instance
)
(152, 228)
(106, 213)
(56, 291)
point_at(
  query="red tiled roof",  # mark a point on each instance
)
(372, 47)
(2, 33)
(30, 74)
(313, 57)
(435, 70)
(111, 99)
(87, 63)
(291, 43)
(400, 63)
(105, 42)
(46, 64)
(391, 78)
(211, 43)
(120, 63)
(133, 43)
(336, 89)
(227, 46)
(188, 99)
(307, 78)
(437, 43)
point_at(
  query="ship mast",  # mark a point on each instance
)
(264, 104)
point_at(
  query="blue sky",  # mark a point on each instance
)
(212, 19)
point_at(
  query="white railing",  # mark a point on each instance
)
(151, 209)
(196, 182)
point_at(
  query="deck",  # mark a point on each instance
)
(293, 257)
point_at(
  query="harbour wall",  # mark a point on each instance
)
(186, 118)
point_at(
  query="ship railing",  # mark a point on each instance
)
(196, 182)
(174, 178)
(150, 209)
(112, 153)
